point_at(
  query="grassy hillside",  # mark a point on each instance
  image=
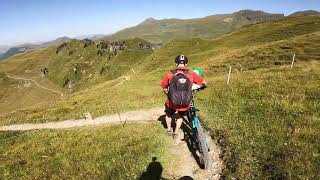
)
(19, 94)
(267, 119)
(110, 152)
(92, 68)
(159, 31)
(243, 53)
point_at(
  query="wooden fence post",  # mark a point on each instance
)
(229, 75)
(294, 56)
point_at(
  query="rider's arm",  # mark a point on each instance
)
(165, 82)
(199, 80)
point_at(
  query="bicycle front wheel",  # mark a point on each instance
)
(203, 147)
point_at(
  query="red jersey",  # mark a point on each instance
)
(194, 77)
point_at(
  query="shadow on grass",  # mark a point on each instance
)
(153, 172)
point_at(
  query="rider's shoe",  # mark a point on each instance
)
(176, 138)
(169, 132)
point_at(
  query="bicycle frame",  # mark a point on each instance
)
(193, 115)
(195, 120)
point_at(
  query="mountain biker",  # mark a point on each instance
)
(170, 107)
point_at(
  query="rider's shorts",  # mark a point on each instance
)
(170, 112)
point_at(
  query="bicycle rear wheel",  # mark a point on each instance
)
(203, 148)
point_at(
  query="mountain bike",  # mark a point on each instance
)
(198, 134)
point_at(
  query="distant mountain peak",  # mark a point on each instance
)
(249, 11)
(248, 16)
(162, 30)
(63, 38)
(148, 20)
(305, 13)
(30, 46)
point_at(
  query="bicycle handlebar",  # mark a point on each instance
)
(199, 89)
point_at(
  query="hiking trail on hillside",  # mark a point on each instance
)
(184, 160)
(37, 84)
(120, 118)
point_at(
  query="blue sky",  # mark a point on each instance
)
(31, 21)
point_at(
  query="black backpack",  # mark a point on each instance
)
(180, 88)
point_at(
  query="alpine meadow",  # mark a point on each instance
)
(260, 110)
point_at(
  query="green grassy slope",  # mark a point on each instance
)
(268, 121)
(247, 43)
(92, 69)
(158, 31)
(110, 152)
(60, 64)
(19, 94)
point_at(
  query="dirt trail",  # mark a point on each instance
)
(185, 162)
(183, 158)
(37, 84)
(140, 115)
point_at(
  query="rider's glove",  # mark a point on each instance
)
(165, 91)
(195, 86)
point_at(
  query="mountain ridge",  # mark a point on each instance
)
(159, 31)
(31, 46)
(304, 13)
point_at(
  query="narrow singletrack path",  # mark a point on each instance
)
(183, 163)
(37, 84)
(140, 115)
(185, 159)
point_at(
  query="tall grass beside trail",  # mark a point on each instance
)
(110, 152)
(268, 123)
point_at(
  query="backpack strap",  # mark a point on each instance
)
(174, 71)
(185, 71)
